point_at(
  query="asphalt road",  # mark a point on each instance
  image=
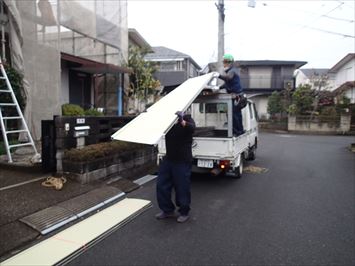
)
(301, 212)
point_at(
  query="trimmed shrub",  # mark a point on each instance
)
(93, 112)
(72, 110)
(100, 150)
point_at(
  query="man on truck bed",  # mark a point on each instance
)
(233, 86)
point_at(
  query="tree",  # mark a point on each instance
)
(142, 82)
(322, 96)
(274, 105)
(302, 100)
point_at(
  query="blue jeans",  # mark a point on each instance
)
(174, 175)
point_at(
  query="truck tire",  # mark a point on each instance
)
(239, 170)
(251, 153)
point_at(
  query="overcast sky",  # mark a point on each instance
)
(320, 32)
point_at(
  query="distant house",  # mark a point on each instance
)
(174, 67)
(310, 75)
(260, 78)
(135, 39)
(343, 74)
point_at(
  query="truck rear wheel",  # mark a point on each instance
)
(251, 153)
(239, 170)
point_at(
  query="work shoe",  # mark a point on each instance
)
(164, 215)
(182, 218)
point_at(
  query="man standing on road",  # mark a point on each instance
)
(175, 170)
(233, 86)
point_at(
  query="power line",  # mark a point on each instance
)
(340, 19)
(312, 13)
(331, 32)
(320, 16)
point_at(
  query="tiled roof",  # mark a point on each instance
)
(164, 53)
(342, 62)
(161, 52)
(309, 72)
(344, 87)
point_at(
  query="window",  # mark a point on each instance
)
(167, 66)
(214, 108)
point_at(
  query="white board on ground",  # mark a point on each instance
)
(65, 243)
(150, 126)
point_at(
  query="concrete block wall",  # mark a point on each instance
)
(101, 129)
(305, 125)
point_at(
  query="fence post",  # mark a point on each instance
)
(291, 123)
(345, 123)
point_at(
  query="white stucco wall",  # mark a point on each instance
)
(261, 105)
(351, 95)
(345, 73)
(301, 78)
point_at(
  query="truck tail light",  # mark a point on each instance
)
(224, 164)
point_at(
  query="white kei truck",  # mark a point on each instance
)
(215, 150)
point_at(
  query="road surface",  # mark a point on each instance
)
(300, 212)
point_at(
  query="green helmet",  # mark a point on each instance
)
(228, 58)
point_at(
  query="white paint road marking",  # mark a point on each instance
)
(23, 183)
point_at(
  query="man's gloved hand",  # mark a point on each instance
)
(216, 75)
(180, 116)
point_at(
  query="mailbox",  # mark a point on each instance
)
(81, 131)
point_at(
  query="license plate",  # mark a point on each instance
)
(205, 163)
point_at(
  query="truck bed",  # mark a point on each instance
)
(218, 147)
(210, 132)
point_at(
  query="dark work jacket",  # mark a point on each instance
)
(232, 81)
(178, 141)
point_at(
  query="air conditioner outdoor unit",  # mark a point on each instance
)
(288, 84)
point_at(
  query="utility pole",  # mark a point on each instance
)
(221, 16)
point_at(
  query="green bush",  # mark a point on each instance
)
(302, 99)
(93, 112)
(16, 81)
(329, 111)
(274, 105)
(99, 150)
(292, 109)
(72, 110)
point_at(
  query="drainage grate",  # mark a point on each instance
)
(54, 217)
(91, 201)
(48, 218)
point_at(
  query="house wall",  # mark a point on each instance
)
(301, 78)
(260, 77)
(351, 95)
(46, 86)
(345, 73)
(41, 64)
(266, 77)
(261, 105)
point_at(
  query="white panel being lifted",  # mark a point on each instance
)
(150, 126)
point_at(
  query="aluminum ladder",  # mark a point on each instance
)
(19, 117)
